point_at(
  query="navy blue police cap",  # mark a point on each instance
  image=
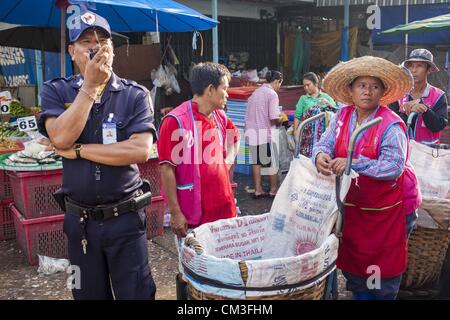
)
(86, 20)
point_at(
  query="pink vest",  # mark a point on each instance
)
(421, 132)
(187, 171)
(412, 197)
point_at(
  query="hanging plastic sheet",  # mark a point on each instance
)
(327, 48)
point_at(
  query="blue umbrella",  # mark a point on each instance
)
(122, 15)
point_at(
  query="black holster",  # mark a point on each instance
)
(144, 199)
(141, 199)
(60, 198)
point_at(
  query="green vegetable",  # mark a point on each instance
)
(16, 109)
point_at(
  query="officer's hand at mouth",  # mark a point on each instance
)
(98, 69)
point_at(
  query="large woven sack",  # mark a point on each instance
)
(432, 167)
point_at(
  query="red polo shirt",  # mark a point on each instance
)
(217, 195)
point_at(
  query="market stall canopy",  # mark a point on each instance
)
(40, 38)
(122, 15)
(391, 31)
(426, 25)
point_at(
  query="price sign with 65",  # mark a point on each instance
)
(5, 107)
(27, 123)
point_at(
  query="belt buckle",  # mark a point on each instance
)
(96, 213)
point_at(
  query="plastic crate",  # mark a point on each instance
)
(7, 230)
(5, 185)
(155, 217)
(33, 192)
(43, 236)
(243, 168)
(150, 171)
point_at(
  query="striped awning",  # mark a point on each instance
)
(381, 3)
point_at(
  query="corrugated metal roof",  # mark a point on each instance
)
(381, 3)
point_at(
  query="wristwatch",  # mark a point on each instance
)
(77, 147)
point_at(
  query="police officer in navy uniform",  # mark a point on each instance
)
(102, 126)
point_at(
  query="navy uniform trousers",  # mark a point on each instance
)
(116, 261)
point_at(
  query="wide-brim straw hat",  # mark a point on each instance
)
(396, 79)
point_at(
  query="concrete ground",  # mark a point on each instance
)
(20, 281)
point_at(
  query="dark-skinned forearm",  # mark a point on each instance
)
(133, 150)
(170, 187)
(65, 130)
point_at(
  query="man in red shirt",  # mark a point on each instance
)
(197, 146)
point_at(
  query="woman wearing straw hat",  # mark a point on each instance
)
(430, 102)
(381, 202)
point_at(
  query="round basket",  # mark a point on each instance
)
(427, 248)
(426, 254)
(314, 292)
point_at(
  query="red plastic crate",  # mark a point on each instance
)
(241, 93)
(43, 236)
(5, 185)
(33, 192)
(155, 217)
(7, 230)
(150, 171)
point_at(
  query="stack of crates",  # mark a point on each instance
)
(38, 219)
(155, 211)
(7, 230)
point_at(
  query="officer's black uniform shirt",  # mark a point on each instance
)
(133, 113)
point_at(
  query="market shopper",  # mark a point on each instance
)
(198, 145)
(102, 125)
(261, 118)
(380, 207)
(313, 102)
(430, 102)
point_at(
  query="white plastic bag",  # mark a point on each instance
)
(290, 138)
(48, 265)
(432, 168)
(285, 155)
(304, 211)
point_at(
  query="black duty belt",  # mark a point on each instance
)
(133, 203)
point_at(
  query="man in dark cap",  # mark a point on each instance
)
(428, 101)
(102, 126)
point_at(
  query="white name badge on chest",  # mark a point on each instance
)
(109, 131)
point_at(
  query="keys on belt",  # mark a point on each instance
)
(136, 201)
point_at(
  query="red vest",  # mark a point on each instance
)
(188, 172)
(374, 231)
(421, 132)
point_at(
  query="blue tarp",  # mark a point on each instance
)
(393, 16)
(122, 15)
(23, 66)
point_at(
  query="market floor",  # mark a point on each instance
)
(20, 281)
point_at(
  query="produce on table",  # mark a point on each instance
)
(34, 154)
(6, 134)
(18, 110)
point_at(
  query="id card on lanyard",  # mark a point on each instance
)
(109, 130)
